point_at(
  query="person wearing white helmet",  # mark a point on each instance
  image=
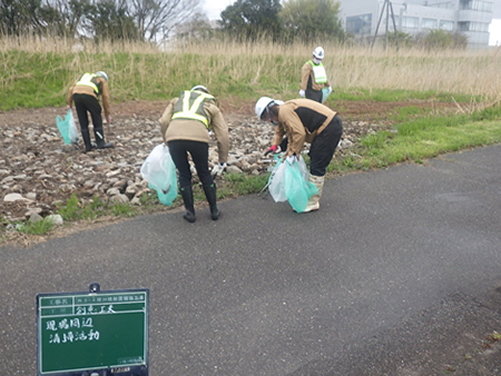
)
(304, 120)
(85, 93)
(185, 126)
(314, 77)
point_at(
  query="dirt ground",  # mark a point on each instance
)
(360, 110)
(33, 159)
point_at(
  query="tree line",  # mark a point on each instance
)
(141, 20)
(305, 20)
(157, 20)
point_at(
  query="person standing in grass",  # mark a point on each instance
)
(185, 126)
(85, 93)
(314, 77)
(313, 80)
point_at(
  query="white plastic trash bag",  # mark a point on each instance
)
(68, 128)
(276, 182)
(73, 131)
(302, 167)
(159, 171)
(277, 179)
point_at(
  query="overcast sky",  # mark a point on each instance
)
(213, 9)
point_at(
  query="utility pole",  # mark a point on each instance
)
(389, 9)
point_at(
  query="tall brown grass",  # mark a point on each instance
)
(468, 72)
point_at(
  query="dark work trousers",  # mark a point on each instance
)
(314, 95)
(323, 147)
(87, 103)
(199, 151)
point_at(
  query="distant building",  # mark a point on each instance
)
(468, 17)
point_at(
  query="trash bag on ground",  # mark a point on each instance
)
(297, 187)
(276, 181)
(67, 128)
(159, 171)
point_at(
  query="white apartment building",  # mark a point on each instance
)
(469, 17)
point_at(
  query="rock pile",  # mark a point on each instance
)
(37, 170)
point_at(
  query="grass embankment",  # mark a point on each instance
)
(39, 76)
(36, 74)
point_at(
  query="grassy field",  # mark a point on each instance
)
(38, 73)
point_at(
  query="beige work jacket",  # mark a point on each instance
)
(295, 119)
(194, 130)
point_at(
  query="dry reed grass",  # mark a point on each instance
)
(467, 72)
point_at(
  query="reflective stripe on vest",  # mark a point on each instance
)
(86, 80)
(191, 106)
(319, 73)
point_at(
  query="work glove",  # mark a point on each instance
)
(218, 169)
(291, 159)
(301, 93)
(272, 149)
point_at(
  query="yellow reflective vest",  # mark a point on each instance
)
(86, 80)
(319, 73)
(191, 106)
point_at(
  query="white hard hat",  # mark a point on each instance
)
(103, 75)
(264, 102)
(318, 53)
(200, 87)
(261, 105)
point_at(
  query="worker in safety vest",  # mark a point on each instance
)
(313, 81)
(304, 120)
(314, 78)
(85, 93)
(185, 126)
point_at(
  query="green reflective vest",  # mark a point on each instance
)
(319, 73)
(191, 106)
(86, 80)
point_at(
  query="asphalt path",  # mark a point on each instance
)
(266, 291)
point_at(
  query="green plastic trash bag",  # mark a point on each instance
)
(325, 94)
(68, 128)
(159, 171)
(297, 187)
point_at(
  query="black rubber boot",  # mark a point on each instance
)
(86, 139)
(98, 133)
(210, 193)
(187, 195)
(105, 145)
